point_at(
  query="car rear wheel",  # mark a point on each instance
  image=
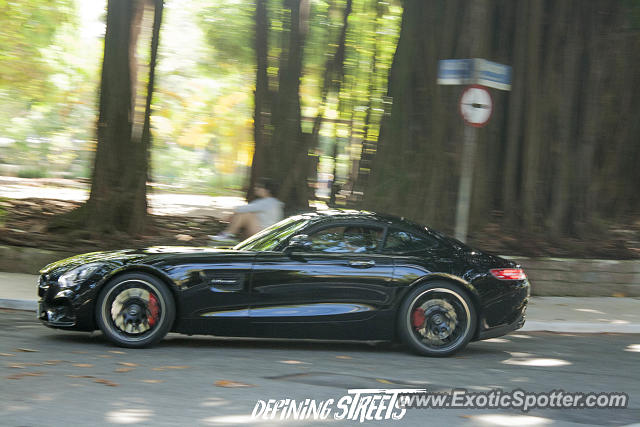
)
(135, 310)
(437, 319)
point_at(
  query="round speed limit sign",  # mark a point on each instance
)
(476, 105)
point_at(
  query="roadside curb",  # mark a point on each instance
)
(18, 304)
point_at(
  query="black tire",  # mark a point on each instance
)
(444, 327)
(135, 310)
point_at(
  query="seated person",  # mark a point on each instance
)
(257, 215)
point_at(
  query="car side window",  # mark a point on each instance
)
(346, 239)
(403, 242)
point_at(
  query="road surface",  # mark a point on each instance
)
(59, 378)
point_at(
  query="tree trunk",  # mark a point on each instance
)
(531, 189)
(261, 95)
(289, 159)
(116, 201)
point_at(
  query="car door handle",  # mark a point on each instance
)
(362, 264)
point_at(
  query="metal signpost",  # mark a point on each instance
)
(476, 106)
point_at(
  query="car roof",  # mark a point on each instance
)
(352, 214)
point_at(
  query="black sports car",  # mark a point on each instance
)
(348, 275)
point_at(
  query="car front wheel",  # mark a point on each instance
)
(437, 319)
(135, 310)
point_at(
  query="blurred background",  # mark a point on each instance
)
(149, 120)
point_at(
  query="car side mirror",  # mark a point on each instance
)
(299, 242)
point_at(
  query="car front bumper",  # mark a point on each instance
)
(65, 308)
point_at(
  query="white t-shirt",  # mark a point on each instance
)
(268, 209)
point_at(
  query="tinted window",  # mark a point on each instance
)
(346, 239)
(399, 241)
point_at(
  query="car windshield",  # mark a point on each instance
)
(269, 238)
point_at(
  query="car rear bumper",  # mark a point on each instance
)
(504, 329)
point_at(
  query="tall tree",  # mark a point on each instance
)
(281, 150)
(261, 96)
(118, 198)
(554, 160)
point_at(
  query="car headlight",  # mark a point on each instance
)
(77, 275)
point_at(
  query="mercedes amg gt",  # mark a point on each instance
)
(339, 274)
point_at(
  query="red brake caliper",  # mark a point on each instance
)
(417, 317)
(153, 310)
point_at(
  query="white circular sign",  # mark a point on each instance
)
(476, 105)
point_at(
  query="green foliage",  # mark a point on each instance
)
(27, 30)
(228, 30)
(202, 120)
(48, 79)
(32, 173)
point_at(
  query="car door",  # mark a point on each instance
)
(215, 292)
(341, 281)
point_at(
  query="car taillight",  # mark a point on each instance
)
(508, 273)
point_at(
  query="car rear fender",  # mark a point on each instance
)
(467, 287)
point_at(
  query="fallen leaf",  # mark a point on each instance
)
(175, 367)
(52, 362)
(344, 357)
(153, 381)
(79, 352)
(383, 381)
(80, 376)
(231, 384)
(105, 356)
(82, 365)
(27, 350)
(124, 369)
(7, 355)
(117, 352)
(23, 365)
(24, 374)
(128, 364)
(105, 382)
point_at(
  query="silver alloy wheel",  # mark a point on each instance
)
(125, 308)
(446, 318)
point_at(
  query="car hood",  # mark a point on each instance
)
(150, 256)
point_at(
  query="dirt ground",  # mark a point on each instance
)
(25, 224)
(27, 206)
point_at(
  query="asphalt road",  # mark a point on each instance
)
(56, 378)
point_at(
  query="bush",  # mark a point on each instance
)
(33, 173)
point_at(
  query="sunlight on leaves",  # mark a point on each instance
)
(542, 362)
(510, 420)
(129, 416)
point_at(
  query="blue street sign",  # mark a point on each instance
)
(455, 71)
(474, 71)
